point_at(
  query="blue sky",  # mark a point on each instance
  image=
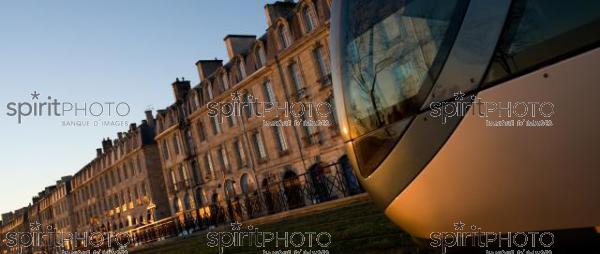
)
(87, 51)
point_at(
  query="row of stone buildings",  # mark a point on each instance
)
(182, 162)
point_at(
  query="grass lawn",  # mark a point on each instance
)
(355, 228)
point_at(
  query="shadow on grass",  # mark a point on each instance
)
(356, 228)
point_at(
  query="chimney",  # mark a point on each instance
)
(149, 118)
(132, 126)
(181, 88)
(106, 144)
(207, 67)
(278, 9)
(237, 43)
(98, 152)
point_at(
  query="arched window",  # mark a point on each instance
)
(245, 184)
(200, 198)
(229, 189)
(186, 203)
(309, 17)
(284, 36)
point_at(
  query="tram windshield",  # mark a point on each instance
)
(392, 52)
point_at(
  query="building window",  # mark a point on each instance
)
(145, 188)
(183, 172)
(310, 20)
(165, 149)
(196, 100)
(230, 120)
(209, 90)
(310, 131)
(259, 146)
(173, 180)
(269, 94)
(284, 36)
(239, 152)
(139, 163)
(261, 58)
(201, 132)
(280, 136)
(125, 171)
(223, 158)
(224, 80)
(176, 143)
(132, 169)
(322, 63)
(332, 113)
(113, 176)
(118, 178)
(241, 70)
(296, 76)
(189, 140)
(215, 125)
(209, 165)
(195, 171)
(249, 104)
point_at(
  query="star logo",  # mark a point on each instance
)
(459, 225)
(236, 95)
(459, 96)
(35, 226)
(35, 95)
(236, 225)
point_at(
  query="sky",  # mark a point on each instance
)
(82, 52)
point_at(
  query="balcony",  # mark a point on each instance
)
(312, 139)
(325, 80)
(334, 129)
(181, 185)
(300, 94)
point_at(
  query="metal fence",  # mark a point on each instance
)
(320, 184)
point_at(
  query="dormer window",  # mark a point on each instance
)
(309, 17)
(284, 36)
(209, 90)
(241, 70)
(196, 101)
(261, 58)
(225, 81)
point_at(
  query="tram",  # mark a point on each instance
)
(523, 155)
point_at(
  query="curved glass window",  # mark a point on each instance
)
(392, 53)
(541, 31)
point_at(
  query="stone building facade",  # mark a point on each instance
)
(16, 221)
(122, 188)
(224, 143)
(214, 160)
